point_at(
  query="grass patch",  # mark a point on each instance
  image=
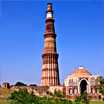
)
(4, 93)
(3, 101)
(96, 102)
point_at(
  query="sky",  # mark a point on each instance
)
(79, 26)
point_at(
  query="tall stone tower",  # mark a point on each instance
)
(50, 71)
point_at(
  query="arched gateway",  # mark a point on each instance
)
(81, 80)
(83, 86)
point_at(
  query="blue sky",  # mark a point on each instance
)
(80, 37)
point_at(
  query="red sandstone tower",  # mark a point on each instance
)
(50, 71)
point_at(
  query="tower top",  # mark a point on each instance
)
(49, 8)
(49, 11)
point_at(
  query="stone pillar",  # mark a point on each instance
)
(75, 91)
(71, 91)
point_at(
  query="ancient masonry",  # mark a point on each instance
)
(50, 70)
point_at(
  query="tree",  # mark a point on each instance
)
(58, 94)
(23, 97)
(20, 84)
(100, 81)
(33, 85)
(82, 99)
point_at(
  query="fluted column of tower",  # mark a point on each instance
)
(50, 71)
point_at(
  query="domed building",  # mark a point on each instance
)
(81, 80)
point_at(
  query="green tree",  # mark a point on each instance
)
(82, 99)
(20, 84)
(23, 97)
(58, 94)
(100, 81)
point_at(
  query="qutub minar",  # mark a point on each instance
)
(79, 81)
(50, 70)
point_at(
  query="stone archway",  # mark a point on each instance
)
(83, 86)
